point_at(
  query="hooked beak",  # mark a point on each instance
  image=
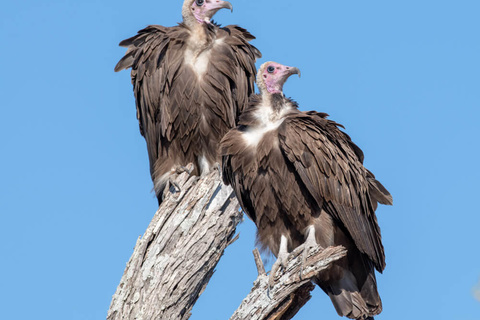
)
(216, 5)
(228, 5)
(288, 71)
(294, 71)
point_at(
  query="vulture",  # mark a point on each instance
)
(302, 181)
(191, 82)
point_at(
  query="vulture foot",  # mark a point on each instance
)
(307, 245)
(280, 263)
(182, 169)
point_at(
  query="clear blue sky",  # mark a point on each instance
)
(402, 76)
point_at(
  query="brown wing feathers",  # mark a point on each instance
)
(181, 116)
(334, 175)
(309, 172)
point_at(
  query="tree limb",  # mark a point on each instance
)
(174, 260)
(176, 257)
(290, 292)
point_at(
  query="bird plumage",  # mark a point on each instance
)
(291, 170)
(190, 82)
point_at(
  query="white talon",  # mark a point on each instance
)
(309, 243)
(281, 261)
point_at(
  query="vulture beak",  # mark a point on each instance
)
(287, 72)
(294, 70)
(216, 5)
(228, 5)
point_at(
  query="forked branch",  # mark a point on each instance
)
(175, 258)
(292, 286)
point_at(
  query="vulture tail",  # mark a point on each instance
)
(351, 302)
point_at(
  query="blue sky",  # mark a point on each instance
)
(402, 76)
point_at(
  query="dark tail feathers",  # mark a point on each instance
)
(351, 302)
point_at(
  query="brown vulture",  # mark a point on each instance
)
(191, 82)
(302, 181)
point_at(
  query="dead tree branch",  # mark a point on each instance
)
(174, 260)
(290, 291)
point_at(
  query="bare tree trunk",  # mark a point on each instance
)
(174, 260)
(172, 263)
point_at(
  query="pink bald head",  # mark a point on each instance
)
(272, 76)
(204, 10)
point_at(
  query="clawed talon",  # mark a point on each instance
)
(280, 263)
(306, 249)
(307, 245)
(182, 169)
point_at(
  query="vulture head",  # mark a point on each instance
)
(272, 76)
(201, 11)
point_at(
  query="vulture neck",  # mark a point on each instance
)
(272, 109)
(266, 115)
(202, 34)
(197, 50)
(276, 102)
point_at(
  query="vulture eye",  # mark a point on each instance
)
(199, 2)
(270, 69)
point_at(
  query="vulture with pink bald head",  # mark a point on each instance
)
(302, 181)
(190, 82)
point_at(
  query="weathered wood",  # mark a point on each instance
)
(291, 290)
(174, 260)
(258, 262)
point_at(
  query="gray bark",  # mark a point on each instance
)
(174, 260)
(290, 291)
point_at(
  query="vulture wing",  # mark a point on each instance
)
(236, 61)
(155, 55)
(230, 146)
(330, 166)
(169, 95)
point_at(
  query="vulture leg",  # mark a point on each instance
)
(281, 261)
(309, 243)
